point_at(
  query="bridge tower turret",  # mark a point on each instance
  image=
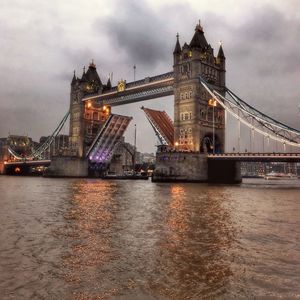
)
(221, 60)
(177, 51)
(89, 83)
(193, 116)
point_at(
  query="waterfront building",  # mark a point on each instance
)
(22, 145)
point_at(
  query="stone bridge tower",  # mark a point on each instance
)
(86, 118)
(193, 112)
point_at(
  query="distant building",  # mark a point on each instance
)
(148, 158)
(59, 146)
(124, 157)
(249, 169)
(253, 169)
(22, 145)
(3, 149)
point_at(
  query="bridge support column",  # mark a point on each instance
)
(224, 171)
(67, 167)
(180, 167)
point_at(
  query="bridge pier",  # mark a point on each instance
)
(180, 167)
(224, 171)
(194, 167)
(67, 167)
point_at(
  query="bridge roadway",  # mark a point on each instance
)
(256, 157)
(140, 90)
(29, 163)
(242, 157)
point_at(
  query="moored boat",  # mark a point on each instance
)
(278, 176)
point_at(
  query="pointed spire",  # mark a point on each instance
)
(185, 45)
(83, 78)
(198, 40)
(108, 84)
(73, 79)
(92, 75)
(177, 49)
(221, 52)
(92, 64)
(199, 27)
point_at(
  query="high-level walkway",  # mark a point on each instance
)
(145, 89)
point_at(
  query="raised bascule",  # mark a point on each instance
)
(192, 146)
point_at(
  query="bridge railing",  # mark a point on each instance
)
(148, 87)
(253, 154)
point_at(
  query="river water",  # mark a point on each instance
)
(94, 239)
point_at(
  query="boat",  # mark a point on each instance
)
(277, 176)
(127, 176)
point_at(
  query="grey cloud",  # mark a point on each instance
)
(142, 35)
(261, 46)
(137, 31)
(268, 40)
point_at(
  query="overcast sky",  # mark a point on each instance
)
(42, 42)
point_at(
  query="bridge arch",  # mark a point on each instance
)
(207, 144)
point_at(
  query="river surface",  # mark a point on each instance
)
(87, 239)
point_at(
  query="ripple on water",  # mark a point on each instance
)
(93, 239)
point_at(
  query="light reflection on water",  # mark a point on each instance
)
(93, 239)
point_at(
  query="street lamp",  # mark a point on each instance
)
(212, 102)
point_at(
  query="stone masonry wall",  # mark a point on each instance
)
(180, 166)
(67, 167)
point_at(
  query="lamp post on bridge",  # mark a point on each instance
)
(134, 70)
(212, 102)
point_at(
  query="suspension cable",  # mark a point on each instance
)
(37, 152)
(241, 106)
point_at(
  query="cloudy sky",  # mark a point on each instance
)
(42, 42)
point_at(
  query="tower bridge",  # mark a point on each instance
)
(193, 144)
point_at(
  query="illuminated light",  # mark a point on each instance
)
(104, 107)
(212, 102)
(190, 54)
(5, 162)
(176, 144)
(89, 105)
(17, 170)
